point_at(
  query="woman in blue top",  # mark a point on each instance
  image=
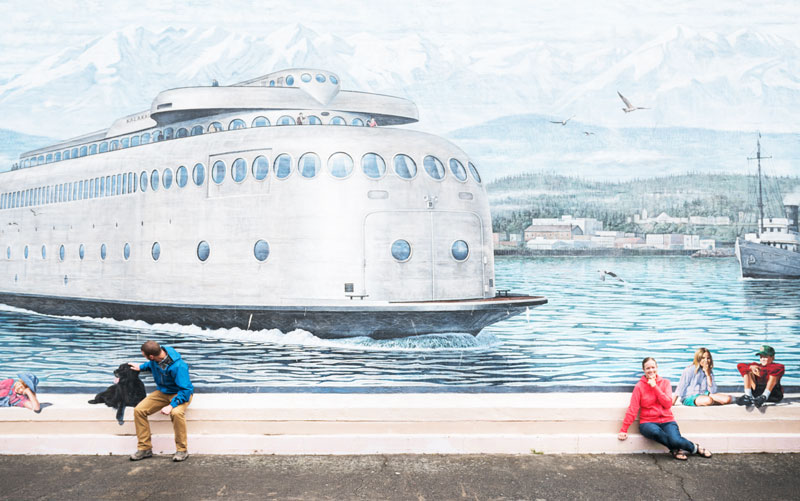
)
(697, 386)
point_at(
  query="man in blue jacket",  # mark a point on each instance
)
(172, 397)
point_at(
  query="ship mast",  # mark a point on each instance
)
(760, 198)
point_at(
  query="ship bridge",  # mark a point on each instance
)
(295, 89)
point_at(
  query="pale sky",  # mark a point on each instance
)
(33, 30)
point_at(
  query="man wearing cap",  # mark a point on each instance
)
(762, 379)
(21, 393)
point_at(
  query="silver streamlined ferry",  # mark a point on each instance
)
(280, 202)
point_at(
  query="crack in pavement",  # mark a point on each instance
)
(681, 480)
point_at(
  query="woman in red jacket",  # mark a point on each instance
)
(652, 400)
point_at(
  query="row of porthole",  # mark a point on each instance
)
(260, 251)
(169, 133)
(400, 249)
(305, 77)
(340, 165)
(402, 252)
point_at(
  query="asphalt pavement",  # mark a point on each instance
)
(403, 477)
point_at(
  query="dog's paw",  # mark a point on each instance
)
(92, 401)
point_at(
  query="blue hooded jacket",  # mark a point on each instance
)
(173, 379)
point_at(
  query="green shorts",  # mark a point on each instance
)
(691, 398)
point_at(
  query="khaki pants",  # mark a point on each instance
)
(153, 403)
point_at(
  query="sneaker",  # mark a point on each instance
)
(180, 456)
(759, 401)
(139, 455)
(744, 400)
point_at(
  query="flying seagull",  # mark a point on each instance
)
(562, 122)
(588, 133)
(628, 106)
(610, 274)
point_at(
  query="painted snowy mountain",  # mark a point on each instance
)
(736, 81)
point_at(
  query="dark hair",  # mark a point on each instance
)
(648, 358)
(151, 348)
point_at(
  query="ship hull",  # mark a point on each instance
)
(361, 318)
(764, 261)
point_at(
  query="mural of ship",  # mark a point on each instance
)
(774, 250)
(280, 202)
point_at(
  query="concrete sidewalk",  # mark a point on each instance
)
(403, 477)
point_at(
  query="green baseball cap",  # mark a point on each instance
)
(766, 351)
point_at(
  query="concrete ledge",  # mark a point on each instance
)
(281, 423)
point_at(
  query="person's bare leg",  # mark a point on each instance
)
(703, 401)
(721, 398)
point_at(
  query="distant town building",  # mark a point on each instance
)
(673, 241)
(588, 225)
(665, 218)
(552, 231)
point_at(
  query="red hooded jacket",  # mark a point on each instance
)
(652, 404)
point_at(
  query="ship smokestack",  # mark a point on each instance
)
(791, 215)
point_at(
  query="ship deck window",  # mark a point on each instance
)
(260, 167)
(181, 176)
(81, 251)
(457, 168)
(145, 138)
(203, 250)
(474, 173)
(182, 132)
(218, 171)
(25, 252)
(237, 124)
(308, 165)
(282, 166)
(197, 130)
(124, 183)
(199, 174)
(8, 252)
(131, 182)
(239, 170)
(58, 156)
(401, 250)
(261, 250)
(124, 142)
(61, 253)
(314, 120)
(320, 78)
(333, 79)
(74, 153)
(126, 251)
(459, 250)
(289, 80)
(337, 121)
(286, 120)
(340, 165)
(260, 122)
(167, 178)
(169, 133)
(135, 140)
(433, 166)
(48, 158)
(114, 145)
(156, 251)
(142, 181)
(103, 252)
(44, 252)
(357, 122)
(158, 136)
(306, 77)
(404, 166)
(215, 127)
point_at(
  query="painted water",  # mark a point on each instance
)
(592, 334)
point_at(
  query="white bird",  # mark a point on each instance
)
(628, 106)
(611, 274)
(562, 122)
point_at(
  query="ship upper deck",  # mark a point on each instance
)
(290, 91)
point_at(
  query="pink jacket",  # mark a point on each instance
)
(652, 404)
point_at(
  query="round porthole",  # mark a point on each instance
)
(239, 170)
(459, 250)
(458, 170)
(156, 251)
(308, 165)
(154, 180)
(199, 174)
(25, 252)
(261, 250)
(166, 179)
(203, 250)
(181, 176)
(433, 166)
(305, 77)
(282, 166)
(81, 251)
(474, 172)
(340, 165)
(404, 166)
(401, 250)
(44, 252)
(218, 171)
(260, 167)
(373, 165)
(142, 182)
(103, 250)
(8, 252)
(126, 251)
(61, 252)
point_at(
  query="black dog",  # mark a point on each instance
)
(127, 390)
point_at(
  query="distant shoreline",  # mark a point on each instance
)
(522, 251)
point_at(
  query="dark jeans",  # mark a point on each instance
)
(666, 434)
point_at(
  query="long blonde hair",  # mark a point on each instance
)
(698, 355)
